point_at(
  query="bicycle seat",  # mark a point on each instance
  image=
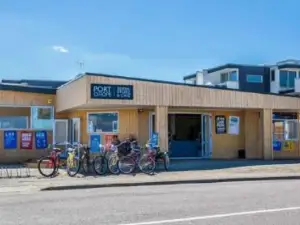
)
(71, 149)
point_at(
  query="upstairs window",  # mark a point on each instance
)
(287, 78)
(229, 76)
(272, 75)
(254, 78)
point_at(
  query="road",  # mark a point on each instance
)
(265, 203)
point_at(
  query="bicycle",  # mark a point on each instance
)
(100, 163)
(113, 155)
(127, 164)
(52, 161)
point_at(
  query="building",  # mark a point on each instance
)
(281, 78)
(204, 121)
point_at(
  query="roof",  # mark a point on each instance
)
(37, 83)
(29, 89)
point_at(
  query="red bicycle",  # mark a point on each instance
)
(48, 165)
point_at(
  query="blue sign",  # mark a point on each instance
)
(10, 139)
(277, 146)
(111, 91)
(41, 140)
(154, 141)
(95, 141)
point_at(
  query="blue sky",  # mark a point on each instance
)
(159, 39)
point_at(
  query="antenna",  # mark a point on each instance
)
(80, 65)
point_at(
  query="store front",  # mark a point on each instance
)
(204, 122)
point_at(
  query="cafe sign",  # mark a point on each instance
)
(111, 91)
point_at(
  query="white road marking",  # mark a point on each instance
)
(216, 216)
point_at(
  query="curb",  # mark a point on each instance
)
(173, 182)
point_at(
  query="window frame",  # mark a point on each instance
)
(255, 82)
(53, 117)
(106, 112)
(228, 75)
(287, 78)
(27, 124)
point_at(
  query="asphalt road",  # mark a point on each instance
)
(266, 203)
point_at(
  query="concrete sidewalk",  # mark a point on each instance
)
(226, 174)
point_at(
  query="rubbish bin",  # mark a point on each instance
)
(241, 154)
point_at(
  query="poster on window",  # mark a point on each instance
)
(234, 125)
(41, 141)
(95, 141)
(26, 140)
(154, 140)
(10, 139)
(277, 146)
(288, 146)
(220, 123)
(108, 139)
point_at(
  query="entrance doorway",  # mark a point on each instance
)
(75, 130)
(60, 134)
(190, 134)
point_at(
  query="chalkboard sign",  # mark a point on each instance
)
(220, 122)
(111, 91)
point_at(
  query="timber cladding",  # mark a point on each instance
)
(15, 98)
(151, 93)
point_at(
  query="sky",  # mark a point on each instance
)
(154, 39)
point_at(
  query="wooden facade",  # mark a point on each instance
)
(15, 103)
(151, 93)
(73, 100)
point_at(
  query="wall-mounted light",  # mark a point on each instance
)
(140, 110)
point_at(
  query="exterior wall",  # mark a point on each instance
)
(14, 98)
(10, 100)
(128, 122)
(19, 155)
(226, 146)
(254, 87)
(72, 94)
(148, 93)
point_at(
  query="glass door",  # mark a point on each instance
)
(206, 136)
(75, 130)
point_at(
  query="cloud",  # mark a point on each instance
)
(60, 49)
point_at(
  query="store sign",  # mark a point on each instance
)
(111, 91)
(220, 122)
(26, 140)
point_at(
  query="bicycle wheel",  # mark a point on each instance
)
(73, 165)
(147, 164)
(100, 165)
(166, 160)
(46, 166)
(113, 164)
(126, 164)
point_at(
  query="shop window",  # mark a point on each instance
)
(285, 130)
(291, 130)
(107, 122)
(13, 122)
(42, 117)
